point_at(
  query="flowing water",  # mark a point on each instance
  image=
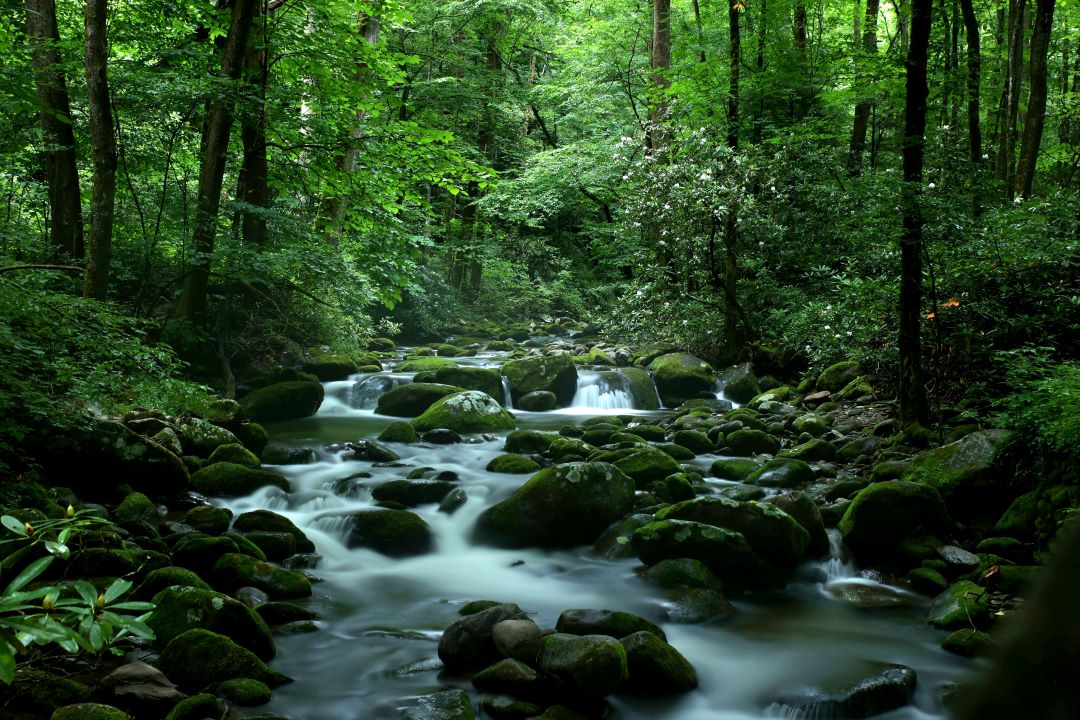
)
(382, 617)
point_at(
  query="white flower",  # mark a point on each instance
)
(828, 327)
(932, 185)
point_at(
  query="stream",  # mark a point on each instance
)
(382, 617)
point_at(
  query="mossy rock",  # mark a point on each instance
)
(554, 373)
(412, 399)
(613, 623)
(485, 380)
(811, 424)
(655, 668)
(381, 344)
(38, 693)
(675, 487)
(564, 449)
(234, 453)
(398, 432)
(961, 605)
(588, 666)
(737, 469)
(835, 377)
(676, 452)
(268, 521)
(652, 433)
(642, 389)
(425, 364)
(108, 562)
(680, 573)
(468, 411)
(244, 692)
(804, 510)
(529, 442)
(694, 440)
(883, 514)
(198, 658)
(644, 355)
(328, 365)
(224, 479)
(201, 438)
(811, 451)
(180, 609)
(1020, 518)
(725, 552)
(167, 577)
(927, 580)
(782, 473)
(537, 401)
(561, 506)
(680, 377)
(968, 642)
(410, 493)
(251, 435)
(233, 570)
(397, 533)
(442, 705)
(740, 384)
(967, 474)
(747, 441)
(514, 464)
(196, 707)
(283, 401)
(90, 711)
(136, 510)
(645, 467)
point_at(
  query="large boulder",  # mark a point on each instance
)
(283, 401)
(201, 437)
(836, 377)
(267, 521)
(959, 606)
(560, 506)
(967, 474)
(771, 532)
(467, 644)
(681, 377)
(739, 383)
(656, 668)
(485, 380)
(647, 466)
(180, 609)
(584, 666)
(328, 365)
(802, 507)
(413, 399)
(883, 514)
(641, 387)
(225, 479)
(781, 473)
(554, 373)
(889, 688)
(747, 441)
(725, 552)
(397, 533)
(234, 570)
(468, 411)
(197, 658)
(425, 364)
(614, 623)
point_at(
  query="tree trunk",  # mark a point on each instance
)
(103, 142)
(1036, 108)
(254, 169)
(862, 108)
(974, 78)
(1010, 96)
(914, 407)
(660, 63)
(193, 300)
(732, 310)
(733, 85)
(61, 173)
(760, 64)
(700, 31)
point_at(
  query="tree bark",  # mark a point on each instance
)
(914, 407)
(733, 78)
(862, 108)
(1010, 96)
(732, 310)
(660, 63)
(193, 300)
(254, 169)
(974, 78)
(1036, 107)
(103, 143)
(762, 31)
(61, 172)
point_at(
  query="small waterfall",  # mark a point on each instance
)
(508, 401)
(839, 565)
(603, 390)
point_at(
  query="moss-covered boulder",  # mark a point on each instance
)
(398, 432)
(613, 623)
(725, 552)
(328, 365)
(425, 364)
(739, 383)
(486, 380)
(968, 642)
(553, 373)
(561, 506)
(167, 577)
(681, 377)
(469, 643)
(695, 441)
(89, 711)
(960, 605)
(883, 514)
(234, 453)
(234, 570)
(268, 521)
(647, 466)
(537, 401)
(529, 442)
(198, 658)
(737, 469)
(811, 451)
(225, 479)
(655, 668)
(967, 474)
(180, 609)
(283, 401)
(810, 423)
(244, 692)
(201, 438)
(397, 533)
(413, 399)
(771, 532)
(835, 377)
(135, 512)
(196, 707)
(639, 383)
(584, 666)
(411, 493)
(802, 507)
(782, 473)
(513, 464)
(747, 441)
(470, 411)
(198, 552)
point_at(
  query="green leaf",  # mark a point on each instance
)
(14, 525)
(7, 663)
(86, 591)
(118, 588)
(29, 573)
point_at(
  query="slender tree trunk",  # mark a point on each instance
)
(914, 407)
(61, 172)
(732, 310)
(733, 78)
(1010, 96)
(762, 32)
(1036, 109)
(103, 142)
(193, 300)
(974, 79)
(660, 63)
(862, 108)
(700, 31)
(798, 106)
(254, 169)
(903, 23)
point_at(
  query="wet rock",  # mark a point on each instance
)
(441, 436)
(801, 506)
(739, 383)
(397, 533)
(268, 521)
(957, 559)
(680, 573)
(655, 667)
(425, 364)
(467, 644)
(680, 377)
(927, 580)
(517, 639)
(746, 442)
(398, 432)
(537, 401)
(586, 666)
(1006, 547)
(560, 506)
(244, 692)
(737, 469)
(453, 501)
(275, 546)
(283, 401)
(507, 676)
(467, 412)
(198, 552)
(966, 474)
(692, 606)
(196, 658)
(196, 707)
(370, 450)
(529, 442)
(556, 374)
(811, 451)
(614, 623)
(231, 480)
(694, 440)
(961, 605)
(412, 399)
(882, 514)
(90, 711)
(508, 707)
(514, 464)
(725, 552)
(485, 380)
(867, 594)
(232, 571)
(835, 377)
(208, 519)
(411, 493)
(142, 689)
(180, 609)
(162, 578)
(444, 705)
(890, 689)
(615, 543)
(647, 466)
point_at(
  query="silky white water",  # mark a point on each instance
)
(381, 617)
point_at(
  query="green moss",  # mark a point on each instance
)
(680, 377)
(233, 570)
(424, 364)
(226, 479)
(553, 373)
(244, 691)
(197, 658)
(412, 399)
(645, 467)
(180, 609)
(734, 468)
(469, 411)
(196, 707)
(515, 464)
(283, 401)
(234, 453)
(90, 711)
